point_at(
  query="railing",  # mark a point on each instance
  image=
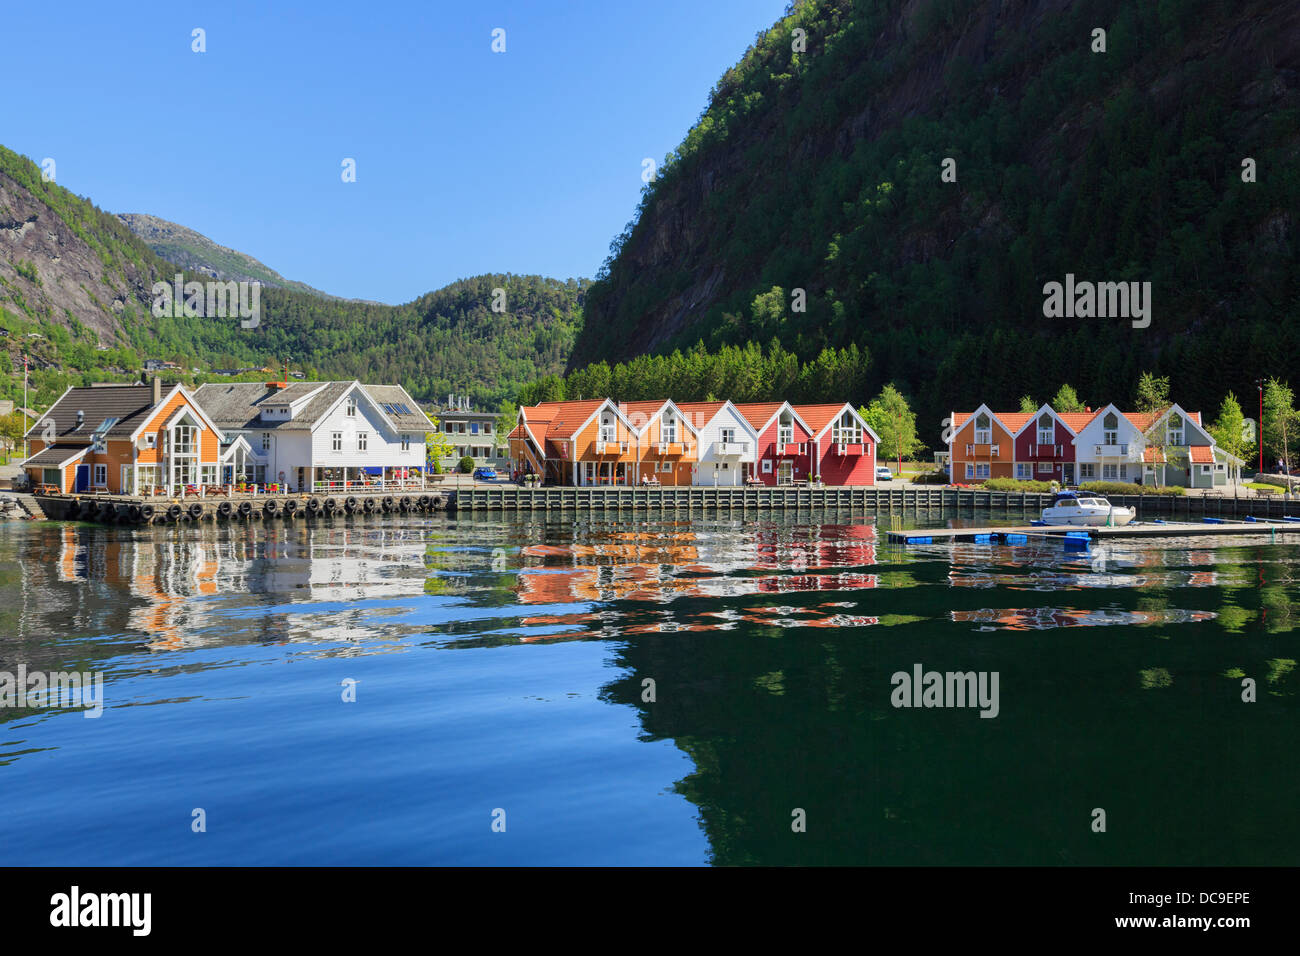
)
(369, 484)
(611, 447)
(846, 437)
(980, 448)
(726, 449)
(1110, 451)
(792, 448)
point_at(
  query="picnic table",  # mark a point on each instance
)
(47, 490)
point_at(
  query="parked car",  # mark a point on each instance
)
(883, 473)
(485, 473)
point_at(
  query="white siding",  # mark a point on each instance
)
(710, 432)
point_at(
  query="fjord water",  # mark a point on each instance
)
(633, 689)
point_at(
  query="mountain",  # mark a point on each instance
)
(196, 252)
(821, 170)
(76, 295)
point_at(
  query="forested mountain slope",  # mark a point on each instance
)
(822, 171)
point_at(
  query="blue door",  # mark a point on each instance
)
(83, 478)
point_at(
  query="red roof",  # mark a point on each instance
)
(759, 414)
(701, 413)
(1011, 421)
(1202, 455)
(817, 417)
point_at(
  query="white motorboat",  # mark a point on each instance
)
(1083, 508)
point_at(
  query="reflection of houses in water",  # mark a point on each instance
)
(663, 565)
(1042, 618)
(173, 574)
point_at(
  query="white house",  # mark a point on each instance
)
(1110, 447)
(318, 436)
(728, 443)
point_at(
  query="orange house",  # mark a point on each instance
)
(123, 439)
(983, 444)
(668, 445)
(577, 443)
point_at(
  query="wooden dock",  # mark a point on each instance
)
(1081, 535)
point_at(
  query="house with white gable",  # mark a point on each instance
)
(1110, 447)
(318, 436)
(728, 443)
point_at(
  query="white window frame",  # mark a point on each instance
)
(1046, 467)
(101, 475)
(983, 470)
(970, 470)
(266, 442)
(767, 466)
(363, 441)
(350, 409)
(336, 442)
(1087, 469)
(1023, 470)
(406, 442)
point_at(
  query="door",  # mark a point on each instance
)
(83, 478)
(785, 473)
(1067, 470)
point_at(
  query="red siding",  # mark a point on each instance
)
(767, 450)
(1029, 438)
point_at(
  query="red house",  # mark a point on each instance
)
(1044, 445)
(785, 445)
(843, 445)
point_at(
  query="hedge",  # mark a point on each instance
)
(1018, 484)
(1129, 488)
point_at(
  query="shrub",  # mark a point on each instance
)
(1017, 484)
(1129, 488)
(466, 465)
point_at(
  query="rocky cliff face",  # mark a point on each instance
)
(821, 170)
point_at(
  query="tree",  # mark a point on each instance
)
(1280, 419)
(1067, 400)
(436, 448)
(890, 417)
(1152, 393)
(13, 427)
(1152, 399)
(507, 419)
(1027, 404)
(1229, 429)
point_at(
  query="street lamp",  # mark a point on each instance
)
(1260, 382)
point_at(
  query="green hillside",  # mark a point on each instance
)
(821, 170)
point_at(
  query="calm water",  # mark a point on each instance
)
(502, 665)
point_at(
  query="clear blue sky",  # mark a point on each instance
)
(468, 161)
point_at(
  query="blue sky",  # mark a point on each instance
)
(468, 161)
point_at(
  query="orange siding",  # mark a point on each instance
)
(1002, 465)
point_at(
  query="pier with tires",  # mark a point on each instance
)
(118, 509)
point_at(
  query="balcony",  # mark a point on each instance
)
(1110, 451)
(670, 449)
(849, 448)
(791, 448)
(730, 449)
(1046, 452)
(611, 448)
(983, 450)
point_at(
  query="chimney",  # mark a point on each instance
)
(157, 390)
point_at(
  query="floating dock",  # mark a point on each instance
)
(1081, 535)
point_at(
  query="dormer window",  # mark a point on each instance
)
(983, 430)
(607, 432)
(350, 410)
(1175, 429)
(670, 428)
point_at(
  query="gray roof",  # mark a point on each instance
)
(239, 404)
(129, 404)
(56, 456)
(393, 395)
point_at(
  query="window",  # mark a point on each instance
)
(785, 434)
(970, 470)
(727, 435)
(767, 466)
(1175, 430)
(1123, 471)
(1022, 471)
(607, 432)
(52, 476)
(1110, 472)
(266, 443)
(151, 440)
(1045, 467)
(665, 466)
(363, 440)
(1087, 470)
(183, 440)
(982, 470)
(1205, 469)
(146, 477)
(487, 428)
(670, 428)
(101, 476)
(350, 409)
(336, 442)
(1110, 430)
(208, 474)
(406, 443)
(473, 428)
(983, 430)
(1046, 430)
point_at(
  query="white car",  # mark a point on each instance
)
(883, 473)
